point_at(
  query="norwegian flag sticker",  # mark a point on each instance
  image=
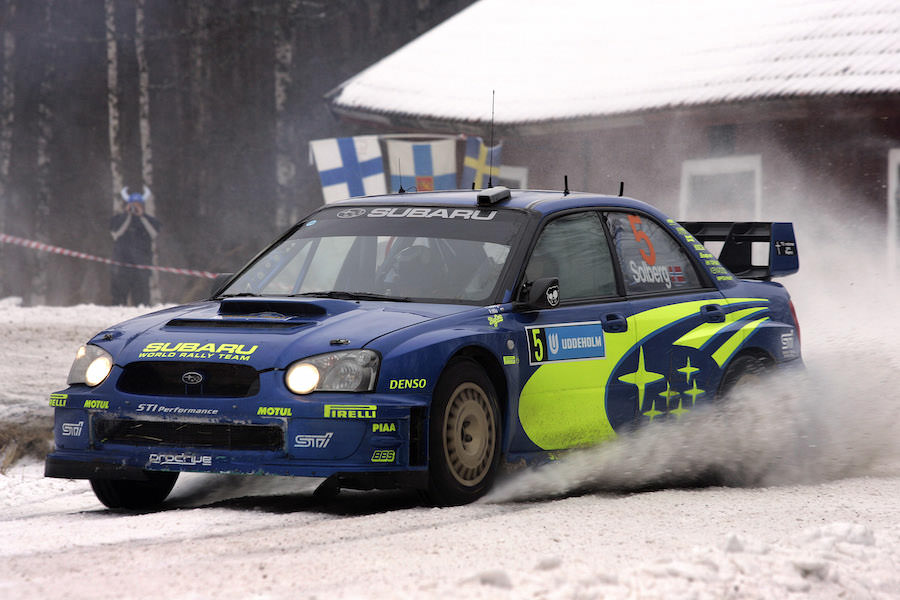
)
(676, 274)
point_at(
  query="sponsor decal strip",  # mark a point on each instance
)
(177, 410)
(426, 213)
(565, 342)
(384, 456)
(182, 460)
(313, 440)
(350, 411)
(72, 429)
(407, 384)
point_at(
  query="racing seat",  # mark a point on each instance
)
(417, 271)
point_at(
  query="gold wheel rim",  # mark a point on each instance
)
(469, 436)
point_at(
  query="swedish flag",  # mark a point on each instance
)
(481, 163)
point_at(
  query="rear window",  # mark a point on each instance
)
(650, 258)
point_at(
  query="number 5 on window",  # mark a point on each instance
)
(641, 236)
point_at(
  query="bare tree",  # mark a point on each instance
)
(144, 100)
(287, 210)
(7, 115)
(40, 278)
(112, 102)
(144, 127)
(7, 98)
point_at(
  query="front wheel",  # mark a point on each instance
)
(135, 495)
(464, 435)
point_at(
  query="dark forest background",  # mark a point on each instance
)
(229, 93)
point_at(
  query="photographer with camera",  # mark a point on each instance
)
(133, 232)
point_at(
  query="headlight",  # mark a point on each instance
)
(346, 371)
(92, 365)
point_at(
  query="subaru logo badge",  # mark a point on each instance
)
(192, 378)
(349, 213)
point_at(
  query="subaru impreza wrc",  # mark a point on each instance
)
(423, 340)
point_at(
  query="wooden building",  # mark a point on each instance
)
(762, 109)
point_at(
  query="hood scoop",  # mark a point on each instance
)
(250, 322)
(269, 309)
(256, 314)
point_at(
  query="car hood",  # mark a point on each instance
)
(262, 332)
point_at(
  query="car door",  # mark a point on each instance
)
(677, 316)
(570, 350)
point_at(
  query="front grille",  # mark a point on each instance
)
(162, 378)
(221, 436)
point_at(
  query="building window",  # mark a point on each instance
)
(512, 177)
(721, 189)
(721, 140)
(893, 204)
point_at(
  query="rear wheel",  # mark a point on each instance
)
(135, 495)
(743, 370)
(464, 435)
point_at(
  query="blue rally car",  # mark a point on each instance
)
(422, 340)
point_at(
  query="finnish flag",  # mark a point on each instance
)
(349, 167)
(422, 166)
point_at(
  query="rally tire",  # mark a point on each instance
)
(135, 495)
(464, 435)
(743, 370)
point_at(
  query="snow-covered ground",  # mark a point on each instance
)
(811, 507)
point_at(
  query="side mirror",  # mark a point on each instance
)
(218, 283)
(542, 293)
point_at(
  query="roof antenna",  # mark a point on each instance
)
(400, 170)
(566, 184)
(491, 149)
(621, 188)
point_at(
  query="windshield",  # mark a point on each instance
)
(401, 253)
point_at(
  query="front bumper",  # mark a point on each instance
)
(323, 435)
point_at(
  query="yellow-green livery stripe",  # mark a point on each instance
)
(700, 335)
(563, 405)
(725, 351)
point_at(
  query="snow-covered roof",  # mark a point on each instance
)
(577, 59)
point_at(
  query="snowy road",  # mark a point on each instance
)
(813, 510)
(833, 540)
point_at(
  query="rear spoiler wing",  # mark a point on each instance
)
(737, 252)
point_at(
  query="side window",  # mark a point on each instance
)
(650, 258)
(574, 249)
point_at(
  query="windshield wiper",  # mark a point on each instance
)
(342, 295)
(241, 295)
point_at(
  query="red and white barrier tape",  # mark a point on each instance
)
(11, 239)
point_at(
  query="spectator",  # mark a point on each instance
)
(133, 232)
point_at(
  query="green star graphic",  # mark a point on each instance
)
(680, 410)
(669, 393)
(641, 378)
(688, 370)
(694, 392)
(653, 413)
